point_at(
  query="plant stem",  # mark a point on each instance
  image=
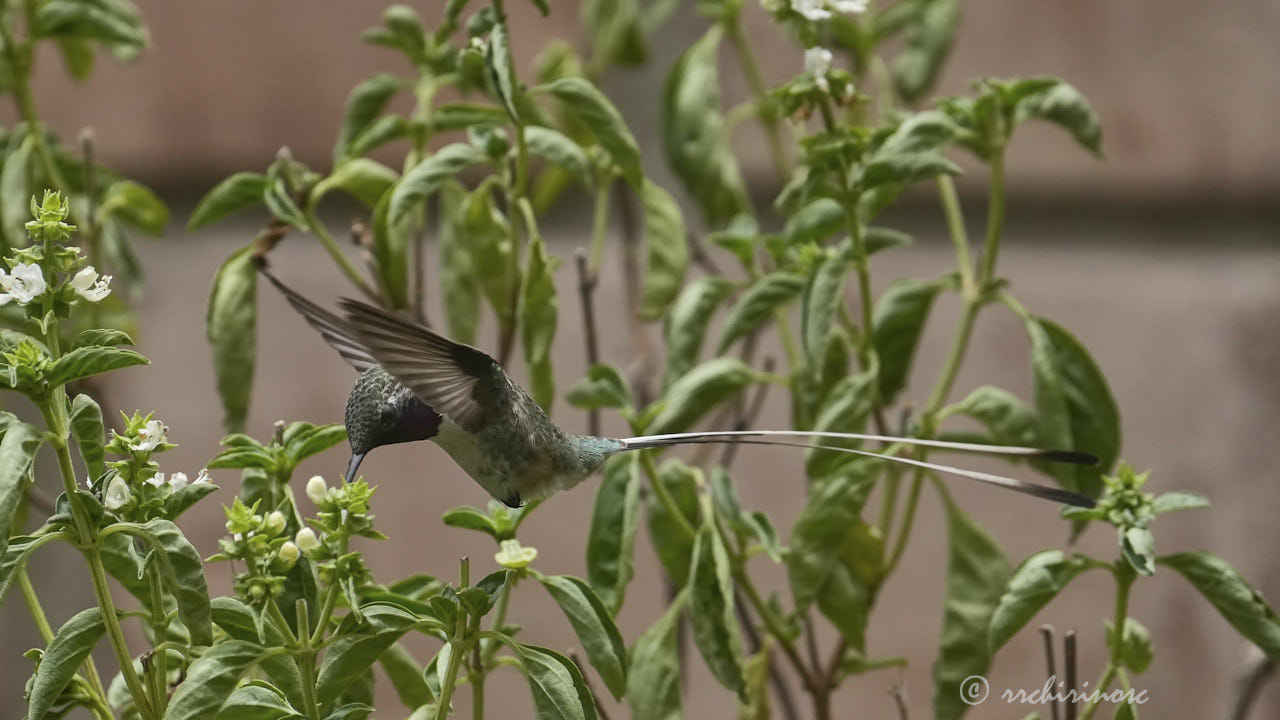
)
(772, 624)
(908, 518)
(306, 658)
(586, 293)
(322, 234)
(995, 217)
(450, 679)
(160, 629)
(114, 633)
(499, 617)
(959, 237)
(760, 92)
(664, 495)
(33, 604)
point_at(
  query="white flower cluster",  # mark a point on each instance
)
(26, 282)
(151, 436)
(815, 10)
(118, 494)
(817, 62)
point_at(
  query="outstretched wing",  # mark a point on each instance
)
(459, 381)
(332, 328)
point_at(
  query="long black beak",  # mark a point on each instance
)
(353, 465)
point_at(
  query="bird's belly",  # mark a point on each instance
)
(487, 468)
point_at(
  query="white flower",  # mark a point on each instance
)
(89, 286)
(811, 9)
(849, 7)
(118, 494)
(316, 489)
(155, 480)
(202, 477)
(24, 285)
(306, 540)
(817, 61)
(153, 434)
(177, 481)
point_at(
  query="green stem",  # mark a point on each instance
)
(908, 518)
(995, 217)
(760, 92)
(773, 624)
(33, 604)
(959, 238)
(160, 658)
(306, 659)
(664, 495)
(500, 617)
(456, 653)
(318, 229)
(599, 224)
(114, 633)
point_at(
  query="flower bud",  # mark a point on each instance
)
(118, 494)
(288, 554)
(306, 540)
(316, 489)
(514, 556)
(275, 523)
(257, 591)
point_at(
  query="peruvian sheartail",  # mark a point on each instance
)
(416, 384)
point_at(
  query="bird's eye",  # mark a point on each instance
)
(388, 414)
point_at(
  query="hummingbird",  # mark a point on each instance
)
(416, 384)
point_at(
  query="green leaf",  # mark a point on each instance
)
(212, 678)
(694, 134)
(89, 433)
(928, 41)
(1035, 583)
(182, 500)
(241, 190)
(365, 103)
(756, 525)
(257, 702)
(554, 147)
(617, 30)
(1063, 105)
(819, 304)
(604, 121)
(883, 238)
(539, 310)
(594, 626)
(1178, 500)
(611, 537)
(715, 627)
(391, 253)
(686, 322)
(17, 451)
(77, 56)
(458, 284)
(115, 25)
(977, 574)
(310, 439)
(429, 175)
(653, 685)
(406, 676)
(844, 409)
(1074, 404)
(833, 510)
(1136, 652)
(559, 690)
(845, 598)
(363, 179)
(15, 181)
(767, 294)
(905, 168)
(816, 221)
(898, 322)
(84, 362)
(231, 324)
(666, 252)
(1138, 546)
(464, 115)
(351, 654)
(73, 643)
(498, 58)
(240, 622)
(1239, 603)
(671, 541)
(380, 132)
(491, 246)
(603, 387)
(102, 336)
(182, 572)
(700, 390)
(1006, 417)
(469, 518)
(136, 205)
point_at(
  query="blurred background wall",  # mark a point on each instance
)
(1162, 259)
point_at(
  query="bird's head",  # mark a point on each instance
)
(381, 411)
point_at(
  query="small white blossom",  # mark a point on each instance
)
(90, 286)
(849, 7)
(817, 62)
(118, 494)
(202, 477)
(344, 515)
(275, 522)
(811, 9)
(153, 435)
(177, 481)
(306, 540)
(155, 480)
(24, 285)
(316, 489)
